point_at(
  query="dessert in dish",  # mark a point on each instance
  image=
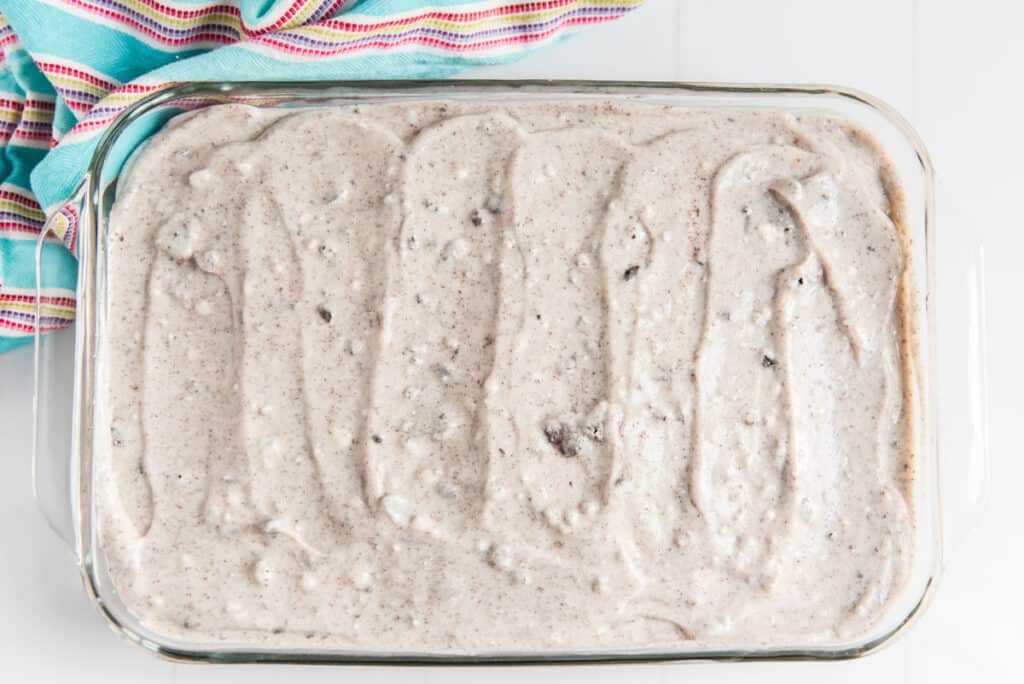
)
(457, 377)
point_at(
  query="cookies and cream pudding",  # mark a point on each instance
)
(445, 376)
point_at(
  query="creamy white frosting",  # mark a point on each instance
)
(446, 376)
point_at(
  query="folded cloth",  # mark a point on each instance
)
(69, 67)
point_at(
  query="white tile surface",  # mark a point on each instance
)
(951, 67)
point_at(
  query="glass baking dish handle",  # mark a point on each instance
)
(53, 407)
(963, 415)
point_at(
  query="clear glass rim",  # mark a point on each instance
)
(87, 342)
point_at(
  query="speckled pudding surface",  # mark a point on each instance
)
(457, 377)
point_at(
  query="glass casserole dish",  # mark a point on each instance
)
(90, 423)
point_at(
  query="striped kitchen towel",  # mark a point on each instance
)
(69, 67)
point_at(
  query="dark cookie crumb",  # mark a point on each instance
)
(377, 439)
(562, 437)
(630, 273)
(325, 314)
(475, 218)
(768, 362)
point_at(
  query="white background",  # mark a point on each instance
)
(954, 69)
